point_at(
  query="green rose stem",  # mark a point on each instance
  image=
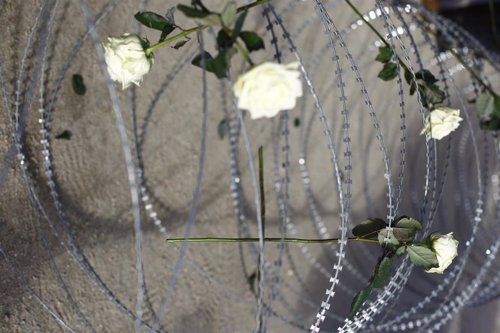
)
(242, 50)
(267, 239)
(263, 219)
(459, 58)
(453, 52)
(187, 32)
(355, 9)
(183, 34)
(470, 70)
(244, 53)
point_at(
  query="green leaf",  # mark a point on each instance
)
(401, 250)
(423, 95)
(145, 44)
(409, 80)
(405, 228)
(222, 128)
(199, 3)
(384, 54)
(413, 88)
(224, 40)
(369, 228)
(426, 242)
(192, 12)
(408, 76)
(426, 76)
(221, 62)
(408, 223)
(430, 94)
(389, 72)
(229, 13)
(422, 256)
(493, 124)
(64, 135)
(497, 105)
(296, 122)
(180, 44)
(435, 94)
(359, 300)
(252, 41)
(239, 24)
(429, 91)
(404, 235)
(78, 85)
(155, 21)
(169, 16)
(207, 57)
(163, 36)
(197, 60)
(392, 240)
(382, 272)
(485, 104)
(218, 65)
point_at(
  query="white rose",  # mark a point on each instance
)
(441, 122)
(445, 248)
(126, 59)
(268, 89)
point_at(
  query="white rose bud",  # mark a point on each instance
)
(126, 59)
(268, 88)
(445, 248)
(441, 122)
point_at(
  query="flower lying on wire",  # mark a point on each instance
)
(268, 88)
(445, 248)
(441, 122)
(126, 59)
(433, 253)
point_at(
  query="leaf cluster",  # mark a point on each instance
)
(390, 69)
(402, 232)
(395, 240)
(231, 23)
(424, 82)
(488, 106)
(165, 24)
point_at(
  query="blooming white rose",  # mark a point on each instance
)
(441, 122)
(445, 248)
(126, 59)
(268, 89)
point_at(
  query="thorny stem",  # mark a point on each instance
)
(355, 9)
(459, 58)
(363, 238)
(471, 71)
(453, 52)
(267, 239)
(183, 34)
(187, 32)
